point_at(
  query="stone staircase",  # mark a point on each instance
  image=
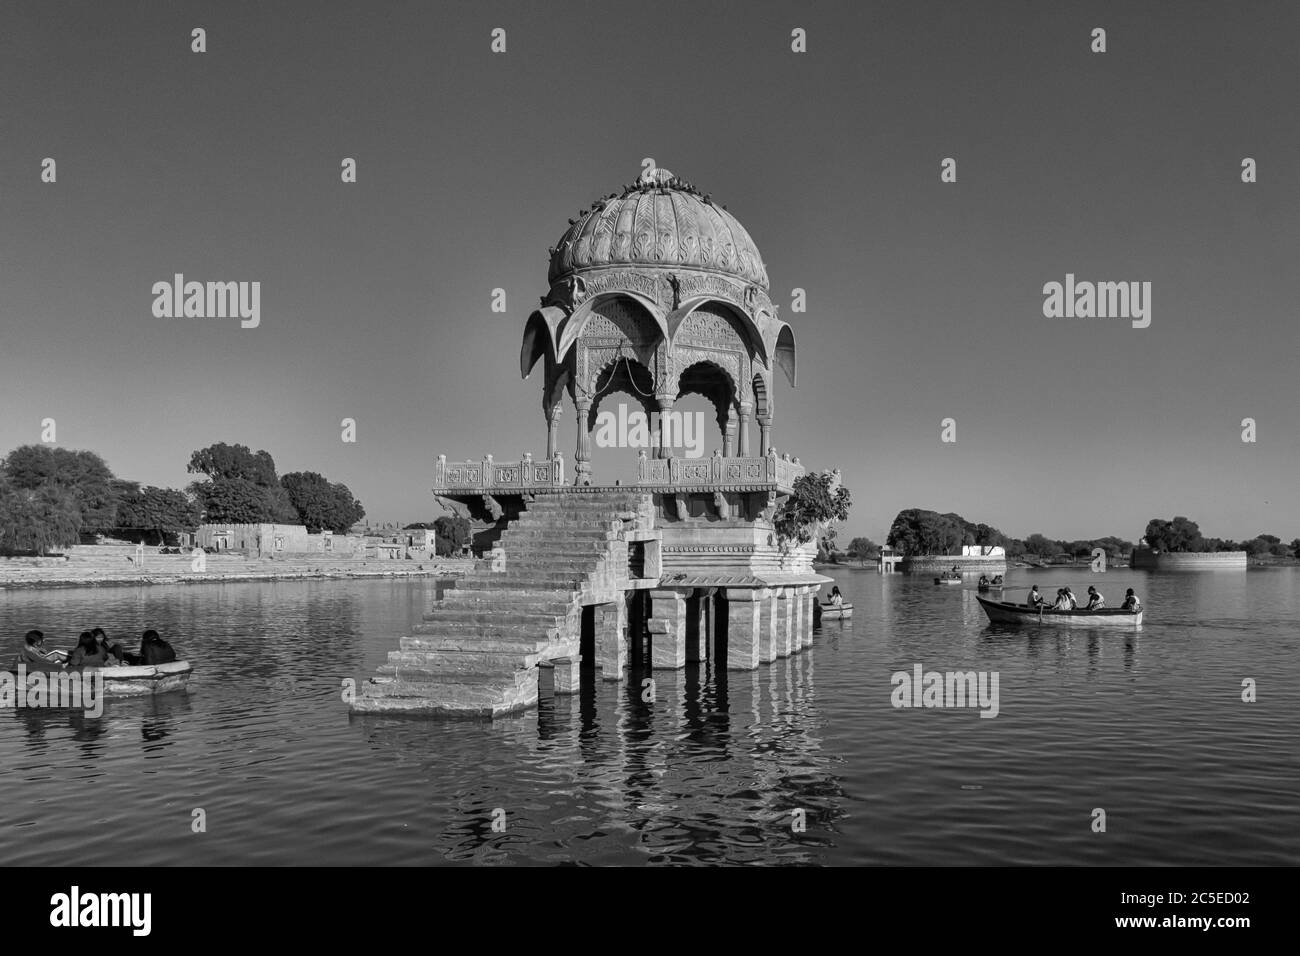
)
(477, 650)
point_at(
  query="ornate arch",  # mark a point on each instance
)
(582, 315)
(751, 334)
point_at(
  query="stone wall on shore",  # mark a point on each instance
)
(1150, 560)
(938, 563)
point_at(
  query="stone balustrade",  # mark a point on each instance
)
(720, 471)
(486, 475)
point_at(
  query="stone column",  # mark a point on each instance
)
(767, 626)
(809, 598)
(729, 434)
(566, 674)
(785, 622)
(667, 630)
(582, 459)
(611, 640)
(765, 435)
(746, 413)
(743, 643)
(797, 622)
(665, 409)
(552, 430)
(696, 650)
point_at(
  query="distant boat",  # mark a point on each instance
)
(831, 612)
(1004, 612)
(948, 579)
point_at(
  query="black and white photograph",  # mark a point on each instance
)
(838, 435)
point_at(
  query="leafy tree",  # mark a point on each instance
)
(234, 463)
(1181, 534)
(450, 535)
(320, 504)
(1256, 546)
(811, 504)
(1295, 548)
(38, 519)
(1041, 545)
(235, 501)
(81, 473)
(162, 510)
(862, 548)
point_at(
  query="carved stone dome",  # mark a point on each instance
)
(662, 221)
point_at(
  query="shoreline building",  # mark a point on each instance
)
(655, 292)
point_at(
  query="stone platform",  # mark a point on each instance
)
(605, 573)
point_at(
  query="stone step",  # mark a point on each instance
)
(457, 667)
(498, 618)
(479, 663)
(551, 563)
(476, 630)
(472, 641)
(557, 535)
(532, 581)
(482, 597)
(561, 520)
(474, 698)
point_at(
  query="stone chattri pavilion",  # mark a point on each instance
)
(656, 292)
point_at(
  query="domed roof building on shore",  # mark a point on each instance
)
(659, 292)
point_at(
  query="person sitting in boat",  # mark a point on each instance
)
(1035, 600)
(1063, 602)
(997, 579)
(110, 650)
(87, 653)
(1095, 601)
(154, 650)
(1131, 602)
(836, 597)
(1074, 601)
(984, 580)
(34, 654)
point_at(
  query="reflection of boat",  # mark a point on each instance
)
(131, 681)
(831, 612)
(948, 579)
(989, 587)
(1004, 612)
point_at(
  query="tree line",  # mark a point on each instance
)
(919, 531)
(50, 496)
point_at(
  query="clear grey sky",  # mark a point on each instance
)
(924, 298)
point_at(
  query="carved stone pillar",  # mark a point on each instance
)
(665, 409)
(667, 630)
(552, 430)
(746, 413)
(729, 434)
(582, 459)
(765, 435)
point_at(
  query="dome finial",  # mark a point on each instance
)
(657, 176)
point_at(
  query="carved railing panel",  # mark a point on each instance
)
(487, 474)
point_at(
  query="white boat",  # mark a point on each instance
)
(831, 612)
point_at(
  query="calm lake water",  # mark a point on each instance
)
(1149, 726)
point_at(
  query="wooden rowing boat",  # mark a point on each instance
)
(948, 579)
(141, 681)
(831, 612)
(1004, 612)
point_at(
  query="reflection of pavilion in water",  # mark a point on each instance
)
(656, 292)
(710, 770)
